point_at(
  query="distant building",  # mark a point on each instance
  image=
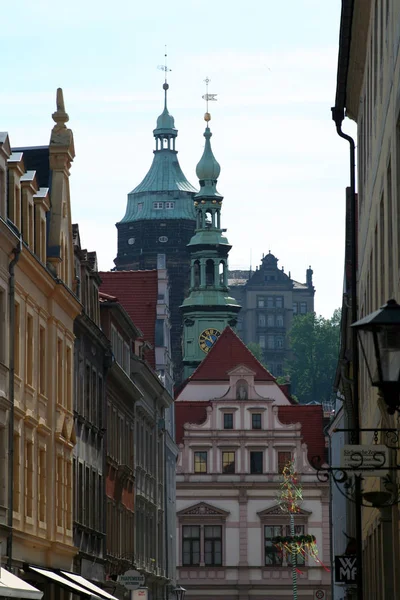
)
(270, 298)
(236, 430)
(160, 218)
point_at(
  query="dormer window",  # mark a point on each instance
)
(170, 205)
(158, 205)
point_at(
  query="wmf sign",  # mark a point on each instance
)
(346, 569)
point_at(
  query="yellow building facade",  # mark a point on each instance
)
(369, 91)
(36, 230)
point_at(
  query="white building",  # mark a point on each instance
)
(236, 429)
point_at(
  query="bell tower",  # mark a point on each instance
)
(209, 308)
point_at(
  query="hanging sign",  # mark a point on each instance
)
(346, 569)
(365, 459)
(131, 579)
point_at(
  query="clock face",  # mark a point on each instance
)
(207, 338)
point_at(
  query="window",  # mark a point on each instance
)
(279, 301)
(279, 320)
(158, 205)
(163, 239)
(42, 484)
(170, 205)
(280, 341)
(279, 369)
(261, 341)
(300, 558)
(17, 325)
(283, 459)
(213, 545)
(228, 421)
(29, 350)
(256, 463)
(303, 308)
(270, 302)
(295, 308)
(131, 241)
(260, 302)
(200, 462)
(271, 342)
(228, 462)
(271, 320)
(42, 361)
(261, 320)
(29, 478)
(191, 546)
(273, 556)
(140, 206)
(60, 363)
(256, 421)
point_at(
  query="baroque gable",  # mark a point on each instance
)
(202, 509)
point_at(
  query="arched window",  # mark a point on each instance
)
(209, 219)
(196, 273)
(221, 273)
(242, 390)
(210, 272)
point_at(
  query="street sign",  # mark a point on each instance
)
(132, 579)
(365, 459)
(141, 594)
(319, 595)
(346, 569)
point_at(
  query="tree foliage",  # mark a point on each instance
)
(314, 342)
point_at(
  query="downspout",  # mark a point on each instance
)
(11, 370)
(338, 116)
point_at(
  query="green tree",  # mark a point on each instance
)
(256, 350)
(314, 342)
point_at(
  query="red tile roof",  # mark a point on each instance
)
(227, 353)
(189, 412)
(137, 292)
(312, 426)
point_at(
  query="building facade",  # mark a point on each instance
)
(160, 218)
(270, 299)
(236, 430)
(92, 359)
(209, 308)
(35, 202)
(367, 92)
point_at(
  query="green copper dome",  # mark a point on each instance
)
(208, 167)
(165, 122)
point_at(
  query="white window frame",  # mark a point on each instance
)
(158, 205)
(170, 205)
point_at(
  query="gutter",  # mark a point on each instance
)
(11, 370)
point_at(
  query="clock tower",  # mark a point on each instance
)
(209, 308)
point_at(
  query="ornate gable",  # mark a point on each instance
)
(202, 509)
(276, 511)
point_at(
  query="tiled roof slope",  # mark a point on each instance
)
(37, 159)
(312, 427)
(189, 412)
(227, 353)
(137, 292)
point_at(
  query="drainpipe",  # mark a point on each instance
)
(11, 369)
(338, 117)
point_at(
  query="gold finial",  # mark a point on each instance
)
(208, 98)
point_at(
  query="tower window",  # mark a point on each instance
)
(303, 308)
(170, 205)
(210, 272)
(158, 205)
(261, 320)
(140, 206)
(279, 320)
(163, 239)
(196, 273)
(279, 301)
(131, 241)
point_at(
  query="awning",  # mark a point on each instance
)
(12, 586)
(73, 587)
(85, 583)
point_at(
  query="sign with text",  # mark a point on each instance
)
(346, 569)
(365, 459)
(131, 579)
(140, 594)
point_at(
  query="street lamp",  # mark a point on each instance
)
(379, 336)
(179, 592)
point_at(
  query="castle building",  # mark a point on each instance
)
(160, 218)
(236, 430)
(209, 308)
(270, 299)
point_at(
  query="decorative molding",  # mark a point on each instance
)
(275, 511)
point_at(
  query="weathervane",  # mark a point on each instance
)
(208, 98)
(164, 67)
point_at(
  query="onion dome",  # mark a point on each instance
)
(165, 122)
(208, 168)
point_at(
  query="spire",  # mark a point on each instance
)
(208, 168)
(165, 123)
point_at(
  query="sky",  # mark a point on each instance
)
(273, 67)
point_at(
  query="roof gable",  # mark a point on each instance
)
(137, 292)
(312, 426)
(276, 511)
(227, 353)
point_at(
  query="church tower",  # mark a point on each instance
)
(159, 221)
(209, 307)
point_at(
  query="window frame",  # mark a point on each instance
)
(228, 466)
(214, 540)
(303, 305)
(252, 421)
(191, 541)
(231, 426)
(280, 465)
(204, 463)
(158, 205)
(170, 205)
(259, 454)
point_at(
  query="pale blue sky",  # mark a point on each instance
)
(273, 66)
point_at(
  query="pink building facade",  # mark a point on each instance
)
(236, 429)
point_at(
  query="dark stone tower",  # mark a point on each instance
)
(160, 218)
